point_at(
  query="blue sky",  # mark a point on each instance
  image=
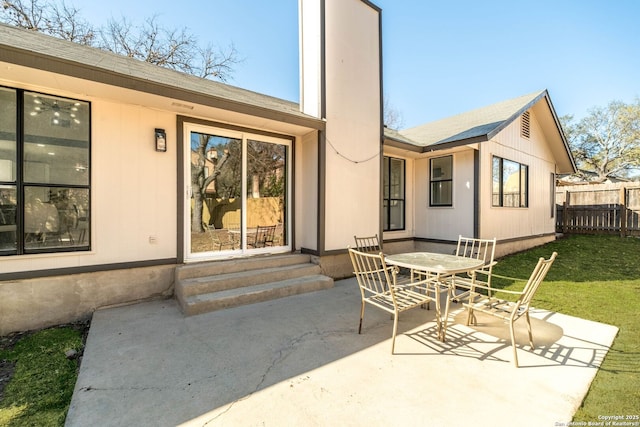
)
(440, 57)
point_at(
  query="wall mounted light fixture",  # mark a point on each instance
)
(161, 140)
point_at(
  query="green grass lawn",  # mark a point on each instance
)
(594, 277)
(40, 390)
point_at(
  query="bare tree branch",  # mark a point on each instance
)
(25, 14)
(176, 49)
(60, 21)
(392, 116)
(66, 23)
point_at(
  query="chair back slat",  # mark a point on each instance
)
(535, 280)
(263, 237)
(371, 271)
(368, 244)
(481, 249)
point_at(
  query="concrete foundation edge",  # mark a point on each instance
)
(31, 304)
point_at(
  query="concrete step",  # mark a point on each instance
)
(221, 282)
(209, 286)
(215, 268)
(203, 303)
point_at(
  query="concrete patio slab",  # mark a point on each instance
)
(300, 361)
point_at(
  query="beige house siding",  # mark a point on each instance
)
(446, 222)
(353, 142)
(436, 223)
(306, 191)
(511, 223)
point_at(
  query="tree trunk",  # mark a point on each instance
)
(199, 187)
(198, 200)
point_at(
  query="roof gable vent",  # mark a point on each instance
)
(525, 128)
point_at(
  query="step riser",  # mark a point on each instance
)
(200, 288)
(237, 265)
(200, 307)
(229, 281)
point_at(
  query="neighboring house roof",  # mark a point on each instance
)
(36, 50)
(482, 124)
(587, 177)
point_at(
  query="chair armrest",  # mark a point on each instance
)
(492, 289)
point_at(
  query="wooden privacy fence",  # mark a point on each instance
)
(599, 209)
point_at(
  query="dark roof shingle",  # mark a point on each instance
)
(473, 126)
(26, 47)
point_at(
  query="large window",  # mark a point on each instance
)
(510, 183)
(44, 173)
(394, 194)
(239, 183)
(441, 181)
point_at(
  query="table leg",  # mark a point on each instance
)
(436, 294)
(446, 313)
(441, 320)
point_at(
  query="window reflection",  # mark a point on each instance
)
(441, 178)
(44, 199)
(56, 140)
(8, 144)
(7, 217)
(510, 183)
(266, 189)
(56, 217)
(220, 168)
(393, 193)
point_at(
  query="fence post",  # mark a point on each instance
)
(565, 212)
(623, 211)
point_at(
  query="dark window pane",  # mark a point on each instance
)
(496, 184)
(8, 144)
(396, 189)
(441, 193)
(56, 140)
(393, 193)
(396, 212)
(385, 214)
(524, 200)
(56, 217)
(510, 183)
(7, 218)
(44, 199)
(441, 174)
(385, 178)
(442, 168)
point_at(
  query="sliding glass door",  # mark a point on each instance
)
(238, 187)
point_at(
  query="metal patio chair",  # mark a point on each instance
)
(509, 311)
(263, 236)
(480, 249)
(220, 239)
(380, 287)
(368, 244)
